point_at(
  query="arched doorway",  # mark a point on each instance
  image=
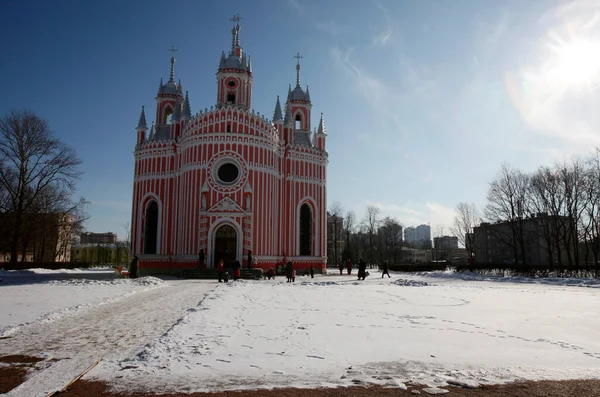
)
(225, 245)
(305, 230)
(151, 228)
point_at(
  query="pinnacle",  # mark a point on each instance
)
(277, 115)
(142, 123)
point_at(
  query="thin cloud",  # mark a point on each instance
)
(385, 33)
(296, 5)
(330, 27)
(412, 214)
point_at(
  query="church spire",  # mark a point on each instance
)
(172, 75)
(298, 57)
(235, 33)
(142, 123)
(277, 115)
(187, 113)
(322, 129)
(288, 115)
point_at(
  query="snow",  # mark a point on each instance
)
(436, 329)
(334, 330)
(44, 296)
(469, 276)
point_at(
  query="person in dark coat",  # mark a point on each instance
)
(385, 269)
(250, 260)
(312, 272)
(341, 267)
(362, 269)
(221, 270)
(289, 272)
(133, 267)
(201, 258)
(349, 266)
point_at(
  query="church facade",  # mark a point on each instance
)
(226, 181)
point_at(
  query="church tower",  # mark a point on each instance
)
(234, 78)
(169, 102)
(300, 104)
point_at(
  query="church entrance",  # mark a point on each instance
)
(225, 245)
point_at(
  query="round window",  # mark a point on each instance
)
(231, 83)
(228, 173)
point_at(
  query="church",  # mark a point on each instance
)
(227, 182)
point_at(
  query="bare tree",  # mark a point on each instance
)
(508, 202)
(349, 230)
(32, 160)
(371, 222)
(390, 237)
(336, 212)
(466, 219)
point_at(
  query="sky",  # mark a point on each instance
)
(423, 100)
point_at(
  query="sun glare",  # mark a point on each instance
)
(576, 63)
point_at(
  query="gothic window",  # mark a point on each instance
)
(305, 230)
(151, 228)
(298, 125)
(228, 127)
(231, 98)
(168, 115)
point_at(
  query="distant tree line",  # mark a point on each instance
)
(558, 205)
(38, 173)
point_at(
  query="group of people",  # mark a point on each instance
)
(362, 268)
(290, 272)
(224, 276)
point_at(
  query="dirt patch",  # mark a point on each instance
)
(11, 377)
(571, 388)
(14, 369)
(20, 359)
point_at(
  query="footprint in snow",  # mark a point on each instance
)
(224, 361)
(320, 358)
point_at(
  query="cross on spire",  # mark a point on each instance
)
(173, 50)
(235, 32)
(298, 57)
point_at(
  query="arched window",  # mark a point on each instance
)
(168, 115)
(151, 228)
(298, 124)
(305, 230)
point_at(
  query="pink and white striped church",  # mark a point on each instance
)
(227, 181)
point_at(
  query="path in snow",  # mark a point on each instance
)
(109, 331)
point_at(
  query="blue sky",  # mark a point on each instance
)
(423, 100)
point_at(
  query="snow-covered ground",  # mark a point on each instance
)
(195, 335)
(334, 330)
(43, 296)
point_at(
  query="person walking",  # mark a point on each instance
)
(341, 267)
(221, 270)
(362, 269)
(349, 266)
(385, 269)
(312, 271)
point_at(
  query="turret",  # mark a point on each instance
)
(169, 95)
(142, 128)
(300, 103)
(321, 134)
(234, 77)
(288, 125)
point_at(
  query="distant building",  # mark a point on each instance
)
(98, 238)
(418, 237)
(45, 237)
(335, 238)
(445, 243)
(414, 255)
(499, 242)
